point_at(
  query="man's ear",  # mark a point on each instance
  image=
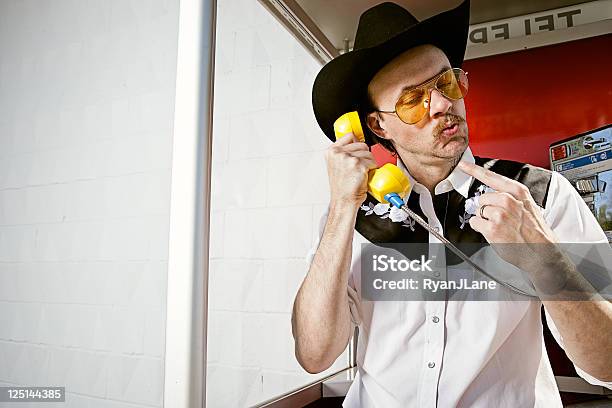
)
(373, 123)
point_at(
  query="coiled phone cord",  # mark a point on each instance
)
(397, 201)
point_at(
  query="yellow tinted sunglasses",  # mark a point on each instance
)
(413, 104)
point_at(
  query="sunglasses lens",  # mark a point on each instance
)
(453, 84)
(411, 106)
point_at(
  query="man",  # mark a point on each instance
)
(438, 353)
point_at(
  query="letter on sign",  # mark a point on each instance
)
(479, 35)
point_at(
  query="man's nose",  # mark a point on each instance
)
(439, 105)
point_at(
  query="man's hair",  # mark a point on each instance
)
(365, 107)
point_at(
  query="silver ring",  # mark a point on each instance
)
(481, 212)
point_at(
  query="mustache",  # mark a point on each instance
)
(450, 119)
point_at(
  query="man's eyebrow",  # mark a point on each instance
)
(408, 87)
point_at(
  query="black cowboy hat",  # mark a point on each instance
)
(384, 32)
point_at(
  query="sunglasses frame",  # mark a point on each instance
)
(428, 87)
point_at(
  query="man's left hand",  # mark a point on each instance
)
(511, 216)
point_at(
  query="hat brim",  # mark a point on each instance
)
(341, 84)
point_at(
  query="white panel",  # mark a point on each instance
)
(87, 98)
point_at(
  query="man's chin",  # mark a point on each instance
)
(453, 147)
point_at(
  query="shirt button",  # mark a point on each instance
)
(435, 319)
(431, 364)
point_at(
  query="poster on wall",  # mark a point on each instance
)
(586, 161)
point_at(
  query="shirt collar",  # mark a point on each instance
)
(457, 179)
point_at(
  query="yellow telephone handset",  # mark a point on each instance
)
(349, 123)
(386, 183)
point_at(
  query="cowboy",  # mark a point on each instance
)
(404, 78)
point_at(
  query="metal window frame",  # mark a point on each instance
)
(297, 21)
(187, 297)
(580, 386)
(333, 385)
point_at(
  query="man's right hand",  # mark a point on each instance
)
(348, 163)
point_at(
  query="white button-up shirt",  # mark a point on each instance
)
(460, 353)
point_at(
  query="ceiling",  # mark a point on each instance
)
(338, 19)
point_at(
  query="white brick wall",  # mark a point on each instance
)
(87, 99)
(269, 190)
